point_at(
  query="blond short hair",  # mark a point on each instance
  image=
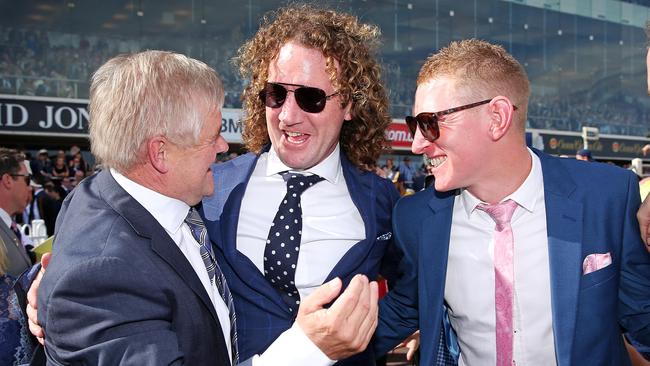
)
(341, 37)
(481, 70)
(135, 97)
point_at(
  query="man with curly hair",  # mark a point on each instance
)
(315, 106)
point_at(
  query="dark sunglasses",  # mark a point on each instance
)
(428, 121)
(310, 100)
(26, 177)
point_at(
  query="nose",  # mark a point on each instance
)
(420, 145)
(290, 110)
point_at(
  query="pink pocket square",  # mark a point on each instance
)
(596, 261)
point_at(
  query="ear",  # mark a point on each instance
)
(158, 153)
(501, 114)
(6, 181)
(348, 112)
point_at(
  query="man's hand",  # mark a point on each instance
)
(644, 221)
(347, 326)
(32, 302)
(412, 343)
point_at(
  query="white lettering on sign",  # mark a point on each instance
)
(10, 114)
(64, 117)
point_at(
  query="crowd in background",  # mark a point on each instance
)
(54, 174)
(55, 64)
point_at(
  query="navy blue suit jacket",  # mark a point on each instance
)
(261, 313)
(118, 290)
(590, 208)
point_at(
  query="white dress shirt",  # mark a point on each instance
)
(332, 224)
(4, 216)
(469, 287)
(24, 239)
(170, 214)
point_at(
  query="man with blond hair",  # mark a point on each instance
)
(536, 259)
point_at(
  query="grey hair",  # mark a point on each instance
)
(135, 97)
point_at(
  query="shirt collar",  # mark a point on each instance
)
(5, 217)
(169, 212)
(329, 168)
(525, 196)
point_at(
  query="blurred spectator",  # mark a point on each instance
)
(48, 201)
(584, 154)
(41, 167)
(646, 150)
(407, 174)
(390, 171)
(15, 191)
(78, 164)
(78, 177)
(60, 170)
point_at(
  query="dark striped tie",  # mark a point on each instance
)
(200, 233)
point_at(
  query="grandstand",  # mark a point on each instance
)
(584, 59)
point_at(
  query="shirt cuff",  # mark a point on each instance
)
(292, 348)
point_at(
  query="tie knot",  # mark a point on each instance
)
(298, 183)
(193, 218)
(501, 213)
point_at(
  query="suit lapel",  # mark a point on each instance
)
(362, 191)
(234, 181)
(146, 226)
(564, 220)
(434, 247)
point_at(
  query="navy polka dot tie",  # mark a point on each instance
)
(283, 242)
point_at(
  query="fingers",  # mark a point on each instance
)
(345, 305)
(32, 302)
(36, 330)
(369, 324)
(359, 310)
(412, 347)
(324, 294)
(45, 261)
(32, 294)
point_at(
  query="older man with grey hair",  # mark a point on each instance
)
(132, 260)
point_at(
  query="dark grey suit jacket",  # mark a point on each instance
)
(118, 290)
(17, 259)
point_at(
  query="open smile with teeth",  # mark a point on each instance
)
(295, 137)
(437, 161)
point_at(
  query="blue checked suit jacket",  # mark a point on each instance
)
(261, 313)
(590, 208)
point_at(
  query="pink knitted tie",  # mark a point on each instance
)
(504, 277)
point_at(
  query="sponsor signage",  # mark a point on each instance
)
(43, 116)
(37, 116)
(552, 142)
(399, 135)
(606, 147)
(20, 115)
(231, 126)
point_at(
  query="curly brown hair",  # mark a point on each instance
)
(339, 37)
